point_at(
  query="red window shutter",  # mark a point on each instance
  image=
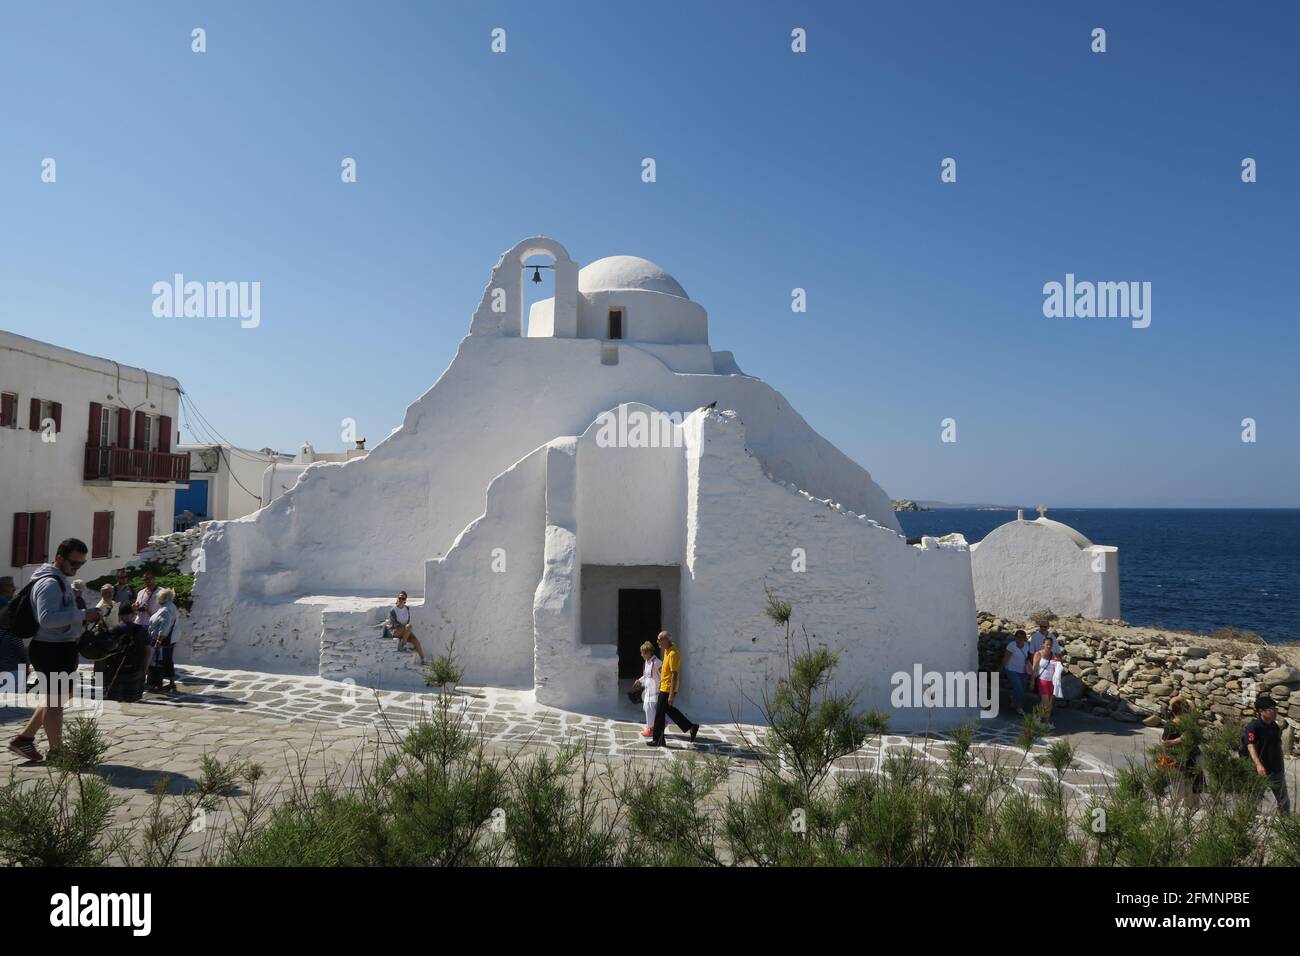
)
(34, 418)
(56, 411)
(8, 410)
(164, 433)
(143, 529)
(102, 540)
(124, 428)
(38, 551)
(139, 433)
(92, 433)
(22, 528)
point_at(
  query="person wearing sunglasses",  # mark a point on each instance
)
(53, 651)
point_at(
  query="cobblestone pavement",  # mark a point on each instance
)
(278, 720)
(303, 730)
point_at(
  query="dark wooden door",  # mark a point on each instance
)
(639, 616)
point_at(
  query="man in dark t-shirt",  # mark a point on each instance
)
(1264, 746)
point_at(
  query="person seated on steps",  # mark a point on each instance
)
(399, 626)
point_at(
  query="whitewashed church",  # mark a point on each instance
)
(1023, 567)
(584, 473)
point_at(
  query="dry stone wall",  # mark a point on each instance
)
(1128, 674)
(175, 550)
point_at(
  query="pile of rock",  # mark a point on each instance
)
(175, 550)
(1128, 674)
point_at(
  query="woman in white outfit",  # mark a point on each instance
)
(649, 681)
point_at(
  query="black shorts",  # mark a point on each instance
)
(56, 663)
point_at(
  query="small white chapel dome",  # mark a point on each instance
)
(1066, 530)
(627, 272)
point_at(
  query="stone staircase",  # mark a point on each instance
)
(352, 648)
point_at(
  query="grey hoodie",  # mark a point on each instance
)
(57, 615)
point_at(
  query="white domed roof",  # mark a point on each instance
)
(627, 272)
(1066, 530)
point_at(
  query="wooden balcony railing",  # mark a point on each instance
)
(131, 464)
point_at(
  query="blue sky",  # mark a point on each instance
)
(775, 171)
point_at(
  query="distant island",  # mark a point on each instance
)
(949, 506)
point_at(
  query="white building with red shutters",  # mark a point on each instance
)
(86, 451)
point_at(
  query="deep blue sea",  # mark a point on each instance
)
(1195, 569)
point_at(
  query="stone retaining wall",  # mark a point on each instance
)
(175, 550)
(1129, 674)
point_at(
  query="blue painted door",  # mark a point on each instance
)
(194, 498)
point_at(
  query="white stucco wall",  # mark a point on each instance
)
(1023, 567)
(481, 592)
(705, 513)
(367, 526)
(883, 605)
(679, 358)
(481, 466)
(647, 317)
(631, 500)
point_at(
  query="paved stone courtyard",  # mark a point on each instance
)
(286, 723)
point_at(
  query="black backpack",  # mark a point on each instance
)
(19, 615)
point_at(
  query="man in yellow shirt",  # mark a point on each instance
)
(670, 676)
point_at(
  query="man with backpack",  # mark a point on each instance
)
(46, 611)
(1263, 743)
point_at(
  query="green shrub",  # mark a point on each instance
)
(325, 828)
(669, 818)
(56, 820)
(1286, 840)
(1028, 830)
(809, 725)
(1226, 770)
(84, 746)
(167, 577)
(432, 802)
(554, 814)
(444, 670)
